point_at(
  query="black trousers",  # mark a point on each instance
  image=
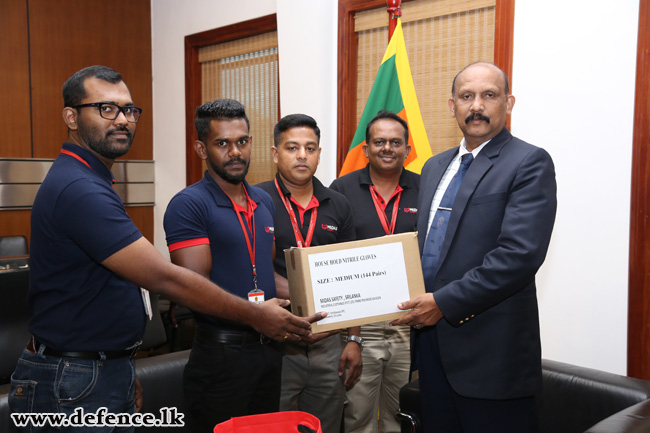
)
(227, 380)
(445, 411)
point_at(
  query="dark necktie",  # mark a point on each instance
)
(433, 244)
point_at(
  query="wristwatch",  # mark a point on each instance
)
(354, 338)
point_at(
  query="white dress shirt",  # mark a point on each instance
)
(446, 178)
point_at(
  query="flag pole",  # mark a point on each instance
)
(394, 9)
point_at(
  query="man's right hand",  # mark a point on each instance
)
(274, 321)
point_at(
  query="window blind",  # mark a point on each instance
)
(442, 37)
(247, 70)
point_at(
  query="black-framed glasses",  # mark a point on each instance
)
(110, 111)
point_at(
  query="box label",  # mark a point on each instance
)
(359, 282)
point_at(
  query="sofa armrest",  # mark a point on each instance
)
(161, 378)
(409, 412)
(6, 424)
(634, 419)
(575, 398)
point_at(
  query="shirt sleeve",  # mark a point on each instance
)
(185, 222)
(266, 199)
(349, 232)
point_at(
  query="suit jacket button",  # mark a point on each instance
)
(461, 322)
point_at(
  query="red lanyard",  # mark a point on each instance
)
(381, 211)
(300, 241)
(251, 226)
(78, 158)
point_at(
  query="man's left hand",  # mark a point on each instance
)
(352, 361)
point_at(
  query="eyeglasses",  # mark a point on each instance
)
(110, 111)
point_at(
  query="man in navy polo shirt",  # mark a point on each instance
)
(222, 228)
(88, 260)
(310, 214)
(384, 200)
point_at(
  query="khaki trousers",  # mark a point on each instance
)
(386, 363)
(311, 382)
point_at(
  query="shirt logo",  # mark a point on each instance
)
(269, 229)
(411, 210)
(329, 228)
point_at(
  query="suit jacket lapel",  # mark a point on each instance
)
(428, 188)
(477, 170)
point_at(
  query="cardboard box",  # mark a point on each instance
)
(357, 283)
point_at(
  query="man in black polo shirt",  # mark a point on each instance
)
(310, 214)
(88, 261)
(383, 196)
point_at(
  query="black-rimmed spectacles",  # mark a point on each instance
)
(110, 111)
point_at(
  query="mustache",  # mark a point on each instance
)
(477, 116)
(120, 129)
(235, 161)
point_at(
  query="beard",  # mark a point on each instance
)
(103, 145)
(223, 173)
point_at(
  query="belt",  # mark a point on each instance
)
(231, 336)
(33, 345)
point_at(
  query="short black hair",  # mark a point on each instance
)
(505, 77)
(74, 90)
(219, 109)
(386, 114)
(294, 121)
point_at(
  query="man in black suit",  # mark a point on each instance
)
(477, 343)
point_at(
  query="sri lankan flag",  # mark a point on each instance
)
(393, 90)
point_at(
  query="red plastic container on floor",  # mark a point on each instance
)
(276, 422)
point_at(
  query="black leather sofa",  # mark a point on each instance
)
(574, 400)
(14, 313)
(161, 378)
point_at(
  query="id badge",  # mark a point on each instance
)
(256, 296)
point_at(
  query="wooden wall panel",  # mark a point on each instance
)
(42, 43)
(16, 141)
(15, 222)
(68, 35)
(142, 216)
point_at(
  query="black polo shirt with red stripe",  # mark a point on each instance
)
(78, 221)
(355, 187)
(334, 221)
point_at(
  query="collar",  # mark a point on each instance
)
(490, 148)
(462, 150)
(406, 180)
(221, 198)
(91, 159)
(321, 192)
(250, 205)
